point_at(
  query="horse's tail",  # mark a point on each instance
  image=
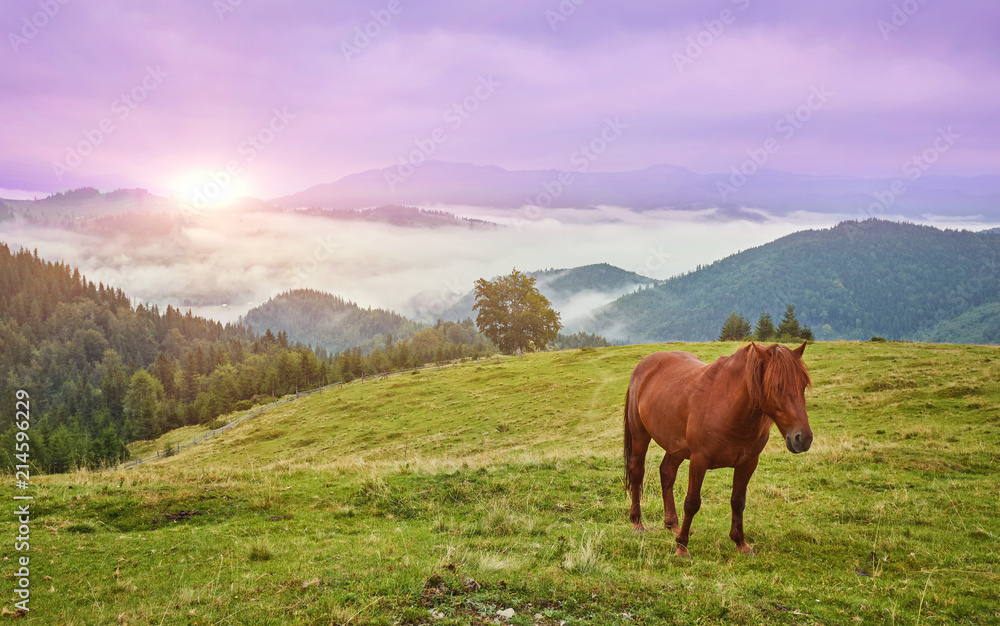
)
(627, 440)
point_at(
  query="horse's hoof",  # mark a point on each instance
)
(638, 528)
(682, 552)
(746, 550)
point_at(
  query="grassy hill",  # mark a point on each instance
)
(447, 496)
(852, 281)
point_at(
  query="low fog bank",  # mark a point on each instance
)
(222, 265)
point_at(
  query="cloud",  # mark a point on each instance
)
(228, 71)
(223, 263)
(243, 259)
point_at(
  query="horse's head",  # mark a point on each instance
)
(777, 380)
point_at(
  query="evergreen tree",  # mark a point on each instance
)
(764, 330)
(581, 340)
(163, 369)
(114, 384)
(222, 388)
(144, 406)
(111, 448)
(789, 326)
(736, 328)
(61, 453)
(190, 381)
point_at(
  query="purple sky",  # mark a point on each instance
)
(213, 73)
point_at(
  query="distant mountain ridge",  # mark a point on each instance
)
(87, 202)
(660, 187)
(852, 281)
(406, 216)
(729, 195)
(142, 213)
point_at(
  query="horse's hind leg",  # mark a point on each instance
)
(692, 503)
(741, 478)
(636, 469)
(668, 474)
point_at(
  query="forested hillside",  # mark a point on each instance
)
(979, 325)
(380, 337)
(101, 372)
(852, 281)
(328, 321)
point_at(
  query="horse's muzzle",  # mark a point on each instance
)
(799, 442)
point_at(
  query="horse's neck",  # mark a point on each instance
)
(733, 375)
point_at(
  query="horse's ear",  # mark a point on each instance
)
(761, 352)
(801, 349)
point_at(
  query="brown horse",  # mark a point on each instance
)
(716, 415)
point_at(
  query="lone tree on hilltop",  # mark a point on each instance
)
(513, 314)
(736, 328)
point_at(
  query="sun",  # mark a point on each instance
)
(207, 190)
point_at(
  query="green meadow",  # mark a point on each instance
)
(493, 493)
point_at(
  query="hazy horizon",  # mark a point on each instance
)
(243, 260)
(111, 95)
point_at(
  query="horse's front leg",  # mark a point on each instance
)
(696, 476)
(741, 478)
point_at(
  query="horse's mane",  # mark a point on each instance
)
(780, 370)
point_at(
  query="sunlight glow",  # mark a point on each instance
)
(209, 190)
